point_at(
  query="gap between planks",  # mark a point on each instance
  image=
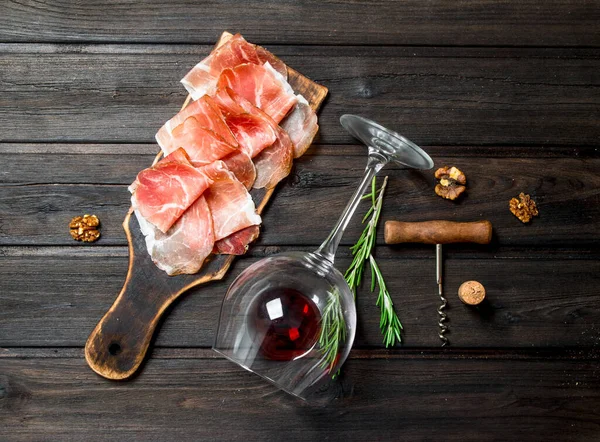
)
(406, 252)
(410, 51)
(317, 149)
(562, 353)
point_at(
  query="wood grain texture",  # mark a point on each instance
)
(415, 397)
(118, 344)
(534, 299)
(37, 201)
(508, 89)
(400, 22)
(438, 232)
(443, 96)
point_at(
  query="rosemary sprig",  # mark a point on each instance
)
(333, 327)
(362, 251)
(365, 244)
(389, 324)
(333, 330)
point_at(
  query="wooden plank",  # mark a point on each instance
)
(531, 303)
(448, 353)
(455, 399)
(481, 22)
(73, 163)
(41, 192)
(443, 96)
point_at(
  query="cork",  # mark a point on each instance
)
(471, 292)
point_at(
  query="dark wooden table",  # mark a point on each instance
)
(507, 91)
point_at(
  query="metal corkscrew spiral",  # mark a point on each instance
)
(443, 317)
(439, 232)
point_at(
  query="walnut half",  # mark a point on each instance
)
(85, 228)
(523, 208)
(452, 182)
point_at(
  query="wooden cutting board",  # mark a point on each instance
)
(117, 346)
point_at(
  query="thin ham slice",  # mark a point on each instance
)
(202, 79)
(253, 129)
(186, 245)
(202, 145)
(275, 162)
(266, 57)
(237, 243)
(162, 193)
(242, 167)
(229, 202)
(253, 133)
(301, 125)
(262, 86)
(207, 115)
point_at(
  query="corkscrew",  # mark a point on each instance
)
(443, 317)
(438, 233)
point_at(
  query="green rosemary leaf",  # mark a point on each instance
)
(362, 252)
(374, 190)
(367, 214)
(389, 324)
(372, 278)
(333, 331)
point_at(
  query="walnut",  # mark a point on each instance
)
(523, 208)
(85, 228)
(452, 182)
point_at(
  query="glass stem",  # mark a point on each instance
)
(330, 245)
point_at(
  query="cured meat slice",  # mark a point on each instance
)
(275, 162)
(301, 125)
(237, 243)
(229, 202)
(262, 86)
(242, 167)
(186, 245)
(162, 193)
(207, 114)
(252, 132)
(202, 145)
(203, 77)
(260, 130)
(266, 57)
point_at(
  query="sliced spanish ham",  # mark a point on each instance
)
(186, 245)
(207, 115)
(252, 132)
(237, 243)
(243, 130)
(242, 167)
(202, 79)
(202, 145)
(301, 125)
(229, 202)
(266, 57)
(162, 193)
(262, 86)
(275, 162)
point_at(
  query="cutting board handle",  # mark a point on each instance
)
(119, 343)
(117, 346)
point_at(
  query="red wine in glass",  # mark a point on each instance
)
(288, 321)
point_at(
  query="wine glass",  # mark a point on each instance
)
(273, 317)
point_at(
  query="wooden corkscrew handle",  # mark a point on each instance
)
(438, 232)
